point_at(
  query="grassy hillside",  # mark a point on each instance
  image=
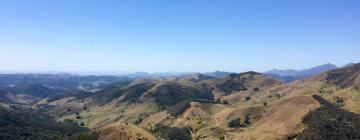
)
(257, 106)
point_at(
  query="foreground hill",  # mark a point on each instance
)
(18, 124)
(330, 121)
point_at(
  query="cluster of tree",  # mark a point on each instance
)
(139, 118)
(234, 75)
(239, 123)
(172, 93)
(170, 133)
(178, 108)
(230, 85)
(338, 101)
(133, 93)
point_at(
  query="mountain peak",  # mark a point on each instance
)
(291, 75)
(326, 65)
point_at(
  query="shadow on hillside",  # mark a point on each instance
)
(330, 122)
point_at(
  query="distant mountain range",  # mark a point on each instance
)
(175, 74)
(290, 75)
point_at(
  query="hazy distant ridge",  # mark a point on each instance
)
(291, 74)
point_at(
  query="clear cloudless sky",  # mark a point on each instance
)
(177, 35)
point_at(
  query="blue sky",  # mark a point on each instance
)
(177, 35)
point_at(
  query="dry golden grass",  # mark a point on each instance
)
(283, 118)
(123, 131)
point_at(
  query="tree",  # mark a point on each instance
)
(235, 123)
(238, 122)
(222, 137)
(225, 102)
(278, 96)
(338, 101)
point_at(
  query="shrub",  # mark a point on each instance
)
(278, 96)
(339, 101)
(246, 121)
(138, 120)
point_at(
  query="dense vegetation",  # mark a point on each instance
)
(331, 122)
(170, 133)
(234, 82)
(230, 85)
(239, 123)
(173, 93)
(133, 93)
(31, 125)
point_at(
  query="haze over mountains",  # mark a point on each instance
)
(290, 75)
